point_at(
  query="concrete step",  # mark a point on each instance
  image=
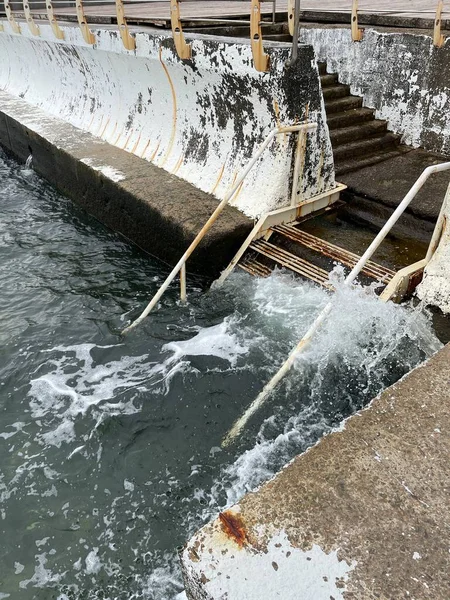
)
(290, 261)
(322, 66)
(366, 146)
(343, 104)
(354, 164)
(329, 79)
(357, 132)
(336, 253)
(335, 91)
(349, 117)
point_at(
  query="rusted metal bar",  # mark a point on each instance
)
(306, 340)
(88, 36)
(291, 16)
(29, 19)
(438, 38)
(260, 59)
(183, 49)
(11, 19)
(127, 39)
(57, 31)
(299, 154)
(357, 33)
(215, 215)
(183, 283)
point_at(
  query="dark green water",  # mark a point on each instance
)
(109, 446)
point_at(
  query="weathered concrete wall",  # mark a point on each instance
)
(359, 516)
(435, 286)
(118, 188)
(200, 119)
(402, 75)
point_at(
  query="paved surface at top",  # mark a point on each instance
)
(160, 11)
(366, 508)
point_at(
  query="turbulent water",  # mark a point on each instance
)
(110, 447)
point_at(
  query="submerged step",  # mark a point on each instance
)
(292, 262)
(347, 258)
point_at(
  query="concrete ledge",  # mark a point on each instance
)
(154, 209)
(363, 514)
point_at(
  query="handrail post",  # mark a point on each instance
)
(437, 232)
(183, 49)
(357, 33)
(438, 38)
(183, 283)
(57, 31)
(260, 59)
(11, 19)
(291, 16)
(88, 36)
(213, 218)
(305, 341)
(29, 18)
(127, 39)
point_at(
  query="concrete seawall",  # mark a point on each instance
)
(363, 514)
(179, 132)
(400, 74)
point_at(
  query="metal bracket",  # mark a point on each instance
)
(9, 15)
(57, 31)
(29, 18)
(128, 40)
(260, 59)
(438, 38)
(183, 49)
(89, 37)
(291, 16)
(357, 33)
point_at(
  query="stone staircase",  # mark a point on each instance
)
(358, 139)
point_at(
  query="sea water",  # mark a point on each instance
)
(110, 446)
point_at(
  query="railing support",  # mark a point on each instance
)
(127, 39)
(183, 283)
(29, 19)
(357, 33)
(88, 36)
(305, 341)
(10, 16)
(57, 31)
(291, 16)
(213, 218)
(438, 38)
(260, 59)
(183, 49)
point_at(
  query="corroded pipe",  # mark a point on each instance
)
(128, 40)
(88, 36)
(57, 31)
(29, 19)
(11, 19)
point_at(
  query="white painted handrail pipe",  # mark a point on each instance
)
(304, 342)
(210, 222)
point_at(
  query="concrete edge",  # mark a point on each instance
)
(155, 210)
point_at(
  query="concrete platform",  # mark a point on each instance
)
(363, 514)
(388, 183)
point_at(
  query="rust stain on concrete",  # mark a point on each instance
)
(233, 527)
(174, 111)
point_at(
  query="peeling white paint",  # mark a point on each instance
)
(107, 171)
(200, 120)
(401, 75)
(283, 571)
(435, 286)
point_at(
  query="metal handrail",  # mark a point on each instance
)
(306, 339)
(180, 266)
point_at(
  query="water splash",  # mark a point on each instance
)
(29, 163)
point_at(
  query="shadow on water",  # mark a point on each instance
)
(110, 447)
